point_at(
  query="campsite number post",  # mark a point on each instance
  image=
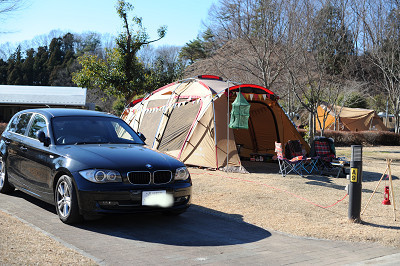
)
(355, 185)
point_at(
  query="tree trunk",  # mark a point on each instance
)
(396, 116)
(311, 129)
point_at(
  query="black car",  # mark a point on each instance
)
(88, 163)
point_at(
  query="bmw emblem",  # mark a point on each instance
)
(149, 166)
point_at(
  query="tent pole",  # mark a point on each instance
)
(215, 134)
(141, 114)
(166, 112)
(370, 123)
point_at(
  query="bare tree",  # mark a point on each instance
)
(322, 48)
(379, 21)
(254, 34)
(7, 7)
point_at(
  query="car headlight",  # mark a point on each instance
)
(101, 175)
(181, 173)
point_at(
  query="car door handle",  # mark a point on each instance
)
(22, 148)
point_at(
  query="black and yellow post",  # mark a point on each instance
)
(355, 186)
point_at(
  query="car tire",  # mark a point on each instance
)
(66, 201)
(5, 186)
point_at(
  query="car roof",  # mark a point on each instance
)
(56, 112)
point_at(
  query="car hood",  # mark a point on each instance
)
(120, 156)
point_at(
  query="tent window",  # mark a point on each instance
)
(178, 125)
(149, 128)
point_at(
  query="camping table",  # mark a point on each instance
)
(341, 163)
(261, 157)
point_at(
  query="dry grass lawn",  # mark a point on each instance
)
(288, 204)
(263, 198)
(21, 244)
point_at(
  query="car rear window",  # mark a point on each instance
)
(20, 123)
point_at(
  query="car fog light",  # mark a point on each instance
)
(108, 203)
(181, 199)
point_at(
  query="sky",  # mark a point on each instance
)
(37, 17)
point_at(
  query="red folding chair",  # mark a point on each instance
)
(294, 148)
(287, 166)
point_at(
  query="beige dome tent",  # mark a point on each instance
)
(349, 119)
(189, 120)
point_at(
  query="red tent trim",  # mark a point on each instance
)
(252, 86)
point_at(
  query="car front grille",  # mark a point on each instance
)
(162, 177)
(146, 178)
(139, 178)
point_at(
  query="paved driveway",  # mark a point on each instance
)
(199, 236)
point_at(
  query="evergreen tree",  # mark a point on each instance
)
(332, 41)
(3, 72)
(14, 71)
(200, 48)
(27, 67)
(40, 68)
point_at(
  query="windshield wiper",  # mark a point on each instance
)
(87, 142)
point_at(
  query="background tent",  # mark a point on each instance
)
(349, 119)
(189, 120)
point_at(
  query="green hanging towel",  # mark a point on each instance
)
(240, 113)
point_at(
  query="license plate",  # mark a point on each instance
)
(158, 198)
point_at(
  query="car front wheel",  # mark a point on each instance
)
(66, 201)
(5, 186)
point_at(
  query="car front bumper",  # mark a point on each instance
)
(126, 198)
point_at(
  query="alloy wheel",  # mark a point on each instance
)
(2, 173)
(63, 199)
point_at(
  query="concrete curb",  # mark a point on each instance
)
(389, 260)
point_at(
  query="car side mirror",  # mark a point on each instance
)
(141, 136)
(42, 138)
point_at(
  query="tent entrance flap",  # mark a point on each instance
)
(262, 133)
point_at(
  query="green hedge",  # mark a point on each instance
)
(367, 138)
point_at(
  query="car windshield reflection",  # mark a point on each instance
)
(92, 130)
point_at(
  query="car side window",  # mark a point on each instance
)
(13, 124)
(21, 123)
(122, 133)
(38, 123)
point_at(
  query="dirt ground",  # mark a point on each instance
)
(311, 206)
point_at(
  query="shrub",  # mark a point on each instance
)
(366, 138)
(2, 127)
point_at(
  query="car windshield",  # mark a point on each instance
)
(92, 130)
